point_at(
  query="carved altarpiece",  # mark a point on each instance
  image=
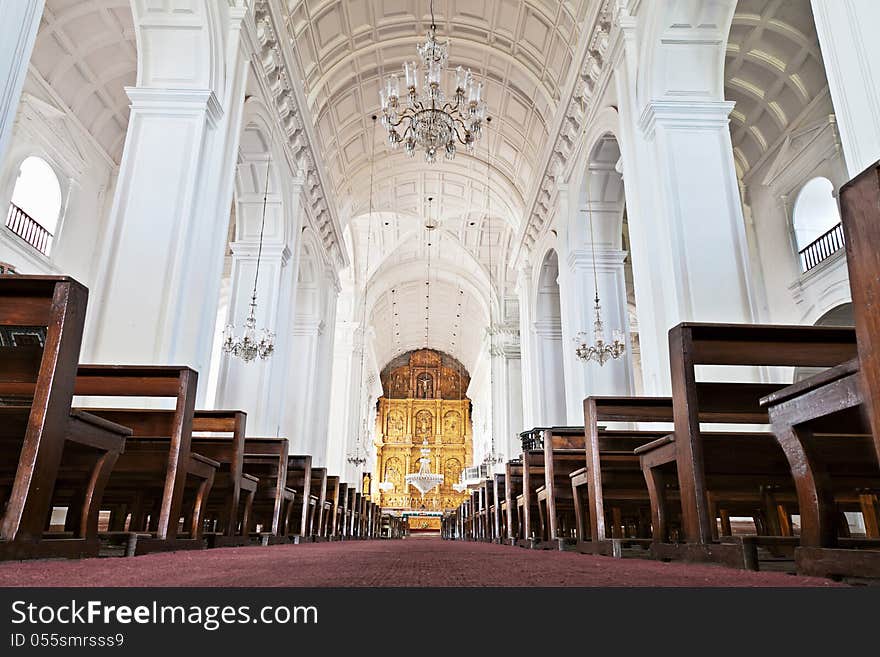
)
(424, 398)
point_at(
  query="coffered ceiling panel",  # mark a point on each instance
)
(85, 50)
(774, 73)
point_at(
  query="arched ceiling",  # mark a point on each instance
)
(774, 72)
(85, 50)
(523, 51)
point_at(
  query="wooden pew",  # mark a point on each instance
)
(159, 479)
(353, 513)
(318, 492)
(829, 425)
(342, 521)
(513, 477)
(270, 517)
(331, 509)
(44, 446)
(528, 514)
(228, 506)
(613, 473)
(232, 495)
(299, 478)
(497, 511)
(563, 454)
(735, 462)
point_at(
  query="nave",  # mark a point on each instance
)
(411, 562)
(634, 316)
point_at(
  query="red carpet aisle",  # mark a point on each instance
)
(411, 562)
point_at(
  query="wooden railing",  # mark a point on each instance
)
(27, 228)
(822, 248)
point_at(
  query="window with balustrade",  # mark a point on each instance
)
(35, 207)
(817, 228)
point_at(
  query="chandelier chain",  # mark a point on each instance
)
(357, 459)
(262, 227)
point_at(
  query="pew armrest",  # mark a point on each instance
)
(812, 383)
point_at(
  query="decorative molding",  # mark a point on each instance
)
(163, 100)
(688, 114)
(591, 78)
(274, 64)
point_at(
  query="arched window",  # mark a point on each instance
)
(816, 220)
(36, 204)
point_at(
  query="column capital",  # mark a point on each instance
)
(160, 101)
(605, 259)
(695, 114)
(248, 250)
(548, 328)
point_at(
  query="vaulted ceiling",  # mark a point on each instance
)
(774, 73)
(86, 52)
(523, 51)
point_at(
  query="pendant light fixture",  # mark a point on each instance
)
(599, 351)
(250, 344)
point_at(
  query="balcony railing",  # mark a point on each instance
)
(822, 248)
(27, 228)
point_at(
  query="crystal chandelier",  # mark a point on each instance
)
(424, 118)
(386, 486)
(599, 351)
(424, 480)
(250, 344)
(459, 487)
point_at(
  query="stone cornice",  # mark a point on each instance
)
(275, 65)
(592, 75)
(686, 113)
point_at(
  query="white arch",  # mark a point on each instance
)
(181, 49)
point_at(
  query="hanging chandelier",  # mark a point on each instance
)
(599, 351)
(252, 344)
(424, 480)
(424, 118)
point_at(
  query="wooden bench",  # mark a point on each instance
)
(340, 530)
(266, 459)
(529, 530)
(352, 513)
(331, 509)
(497, 511)
(226, 510)
(612, 506)
(563, 454)
(45, 447)
(318, 493)
(299, 478)
(159, 480)
(232, 495)
(513, 477)
(829, 425)
(737, 463)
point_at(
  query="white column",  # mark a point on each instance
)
(851, 51)
(302, 397)
(18, 31)
(527, 342)
(157, 289)
(344, 391)
(577, 299)
(248, 386)
(324, 372)
(551, 409)
(507, 406)
(686, 226)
